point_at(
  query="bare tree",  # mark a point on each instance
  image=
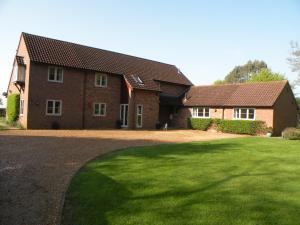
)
(294, 60)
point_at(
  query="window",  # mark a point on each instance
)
(201, 112)
(99, 109)
(244, 114)
(137, 79)
(21, 107)
(54, 107)
(100, 80)
(55, 74)
(139, 116)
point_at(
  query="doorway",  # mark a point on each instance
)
(124, 115)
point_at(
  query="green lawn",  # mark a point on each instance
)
(246, 181)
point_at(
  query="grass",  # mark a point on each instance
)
(3, 124)
(245, 181)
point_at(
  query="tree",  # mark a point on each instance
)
(294, 60)
(1, 102)
(266, 75)
(218, 82)
(241, 74)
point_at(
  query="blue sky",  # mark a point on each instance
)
(205, 39)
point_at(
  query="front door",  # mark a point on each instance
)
(124, 115)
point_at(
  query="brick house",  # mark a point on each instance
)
(73, 86)
(272, 102)
(79, 87)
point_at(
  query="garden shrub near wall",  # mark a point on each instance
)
(13, 104)
(199, 123)
(291, 133)
(251, 127)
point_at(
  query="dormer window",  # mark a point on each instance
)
(137, 79)
(55, 74)
(19, 70)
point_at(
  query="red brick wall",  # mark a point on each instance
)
(71, 92)
(285, 111)
(150, 102)
(111, 95)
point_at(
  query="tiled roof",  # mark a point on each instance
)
(61, 53)
(262, 94)
(20, 60)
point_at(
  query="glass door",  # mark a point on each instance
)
(124, 115)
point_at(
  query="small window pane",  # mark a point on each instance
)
(102, 111)
(97, 79)
(236, 113)
(251, 114)
(51, 73)
(243, 113)
(139, 120)
(57, 107)
(139, 111)
(103, 80)
(194, 112)
(97, 109)
(50, 107)
(59, 74)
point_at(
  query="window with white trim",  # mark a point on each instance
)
(244, 113)
(201, 112)
(55, 74)
(139, 116)
(100, 80)
(99, 109)
(53, 107)
(21, 112)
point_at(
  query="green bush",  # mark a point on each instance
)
(13, 104)
(291, 133)
(240, 126)
(199, 123)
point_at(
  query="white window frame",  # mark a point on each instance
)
(55, 74)
(21, 109)
(99, 103)
(102, 75)
(139, 114)
(195, 115)
(247, 114)
(53, 111)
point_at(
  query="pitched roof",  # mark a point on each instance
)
(262, 94)
(61, 53)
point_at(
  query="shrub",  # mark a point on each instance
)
(13, 104)
(240, 126)
(199, 123)
(291, 133)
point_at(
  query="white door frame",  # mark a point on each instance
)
(122, 117)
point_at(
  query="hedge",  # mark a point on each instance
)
(251, 127)
(291, 133)
(199, 123)
(13, 104)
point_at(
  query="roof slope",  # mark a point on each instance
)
(262, 94)
(56, 52)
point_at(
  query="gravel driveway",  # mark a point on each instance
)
(36, 166)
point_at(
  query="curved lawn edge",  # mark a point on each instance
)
(259, 143)
(101, 157)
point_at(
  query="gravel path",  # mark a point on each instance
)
(37, 165)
